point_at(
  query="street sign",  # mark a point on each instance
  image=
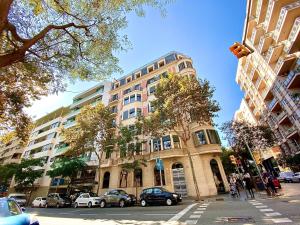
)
(159, 164)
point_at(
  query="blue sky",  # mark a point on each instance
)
(201, 29)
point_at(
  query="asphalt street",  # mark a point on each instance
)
(284, 209)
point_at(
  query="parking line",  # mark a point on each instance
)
(160, 214)
(182, 212)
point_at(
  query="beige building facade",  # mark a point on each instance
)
(270, 76)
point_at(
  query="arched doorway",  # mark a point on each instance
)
(138, 177)
(159, 175)
(123, 179)
(217, 176)
(106, 178)
(179, 179)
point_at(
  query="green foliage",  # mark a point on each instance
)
(93, 132)
(128, 142)
(293, 162)
(7, 172)
(66, 167)
(26, 174)
(180, 101)
(44, 43)
(227, 165)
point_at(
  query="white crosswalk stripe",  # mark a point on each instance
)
(191, 222)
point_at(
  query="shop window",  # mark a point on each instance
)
(106, 178)
(166, 142)
(213, 137)
(138, 177)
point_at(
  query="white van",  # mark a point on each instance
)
(19, 198)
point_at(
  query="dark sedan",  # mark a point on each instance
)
(159, 195)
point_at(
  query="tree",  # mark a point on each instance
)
(66, 167)
(6, 174)
(94, 132)
(226, 162)
(130, 146)
(26, 174)
(45, 42)
(181, 101)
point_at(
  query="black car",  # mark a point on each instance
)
(159, 195)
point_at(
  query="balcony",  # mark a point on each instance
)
(83, 100)
(261, 10)
(288, 131)
(284, 65)
(265, 42)
(293, 42)
(281, 116)
(292, 80)
(272, 103)
(287, 16)
(274, 53)
(69, 124)
(170, 153)
(257, 33)
(114, 99)
(60, 151)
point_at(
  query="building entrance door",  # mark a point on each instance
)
(178, 179)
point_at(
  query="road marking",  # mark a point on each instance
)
(198, 212)
(261, 206)
(273, 214)
(191, 222)
(195, 216)
(88, 214)
(66, 213)
(182, 212)
(118, 214)
(160, 214)
(281, 220)
(266, 210)
(256, 203)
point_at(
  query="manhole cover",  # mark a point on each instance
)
(235, 219)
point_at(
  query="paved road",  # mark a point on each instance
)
(284, 209)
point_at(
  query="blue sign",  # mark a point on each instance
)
(159, 164)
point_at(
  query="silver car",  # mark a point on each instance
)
(296, 177)
(117, 197)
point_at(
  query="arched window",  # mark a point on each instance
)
(106, 178)
(159, 176)
(123, 178)
(138, 177)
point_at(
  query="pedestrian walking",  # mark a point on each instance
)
(268, 180)
(248, 184)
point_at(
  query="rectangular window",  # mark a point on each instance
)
(132, 113)
(150, 107)
(126, 91)
(52, 135)
(137, 87)
(139, 97)
(132, 98)
(200, 138)
(189, 64)
(166, 142)
(126, 100)
(151, 90)
(181, 66)
(170, 58)
(144, 71)
(156, 145)
(213, 137)
(125, 115)
(176, 141)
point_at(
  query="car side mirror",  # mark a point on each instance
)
(23, 209)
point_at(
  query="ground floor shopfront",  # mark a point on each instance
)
(175, 175)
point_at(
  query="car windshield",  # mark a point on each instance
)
(93, 195)
(9, 208)
(122, 192)
(163, 189)
(19, 197)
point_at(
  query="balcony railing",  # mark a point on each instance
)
(272, 103)
(292, 74)
(76, 103)
(280, 116)
(293, 35)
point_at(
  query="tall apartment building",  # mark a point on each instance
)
(128, 96)
(131, 95)
(244, 114)
(270, 76)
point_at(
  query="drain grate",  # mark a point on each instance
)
(235, 219)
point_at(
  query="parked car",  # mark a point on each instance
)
(87, 199)
(117, 197)
(19, 198)
(159, 195)
(39, 202)
(12, 214)
(296, 177)
(286, 176)
(57, 200)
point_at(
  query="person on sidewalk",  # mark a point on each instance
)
(248, 184)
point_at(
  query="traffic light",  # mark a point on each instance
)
(239, 50)
(232, 159)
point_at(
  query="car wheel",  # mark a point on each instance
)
(169, 202)
(102, 204)
(76, 205)
(143, 203)
(90, 205)
(57, 205)
(121, 203)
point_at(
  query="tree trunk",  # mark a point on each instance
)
(5, 7)
(193, 170)
(99, 179)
